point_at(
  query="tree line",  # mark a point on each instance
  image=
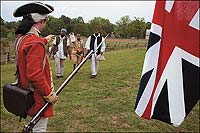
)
(124, 28)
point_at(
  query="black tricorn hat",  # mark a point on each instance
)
(36, 7)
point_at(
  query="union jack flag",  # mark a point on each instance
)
(169, 86)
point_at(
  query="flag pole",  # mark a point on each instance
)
(29, 126)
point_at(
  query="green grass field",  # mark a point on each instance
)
(105, 103)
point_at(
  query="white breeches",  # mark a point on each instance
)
(59, 66)
(94, 65)
(41, 126)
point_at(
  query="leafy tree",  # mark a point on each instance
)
(4, 31)
(125, 27)
(139, 27)
(103, 24)
(66, 23)
(122, 27)
(78, 26)
(8, 28)
(78, 20)
(11, 25)
(53, 26)
(11, 34)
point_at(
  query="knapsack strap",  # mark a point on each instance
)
(17, 44)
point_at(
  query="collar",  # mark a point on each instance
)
(62, 37)
(96, 36)
(35, 31)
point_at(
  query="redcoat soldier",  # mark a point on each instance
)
(33, 66)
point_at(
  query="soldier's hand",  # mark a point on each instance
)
(51, 98)
(50, 38)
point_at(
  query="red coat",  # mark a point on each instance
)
(31, 54)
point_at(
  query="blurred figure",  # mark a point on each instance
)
(72, 37)
(77, 51)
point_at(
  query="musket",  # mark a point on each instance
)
(29, 126)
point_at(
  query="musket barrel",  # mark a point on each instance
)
(73, 73)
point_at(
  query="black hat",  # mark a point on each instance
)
(36, 7)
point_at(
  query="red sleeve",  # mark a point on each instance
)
(44, 40)
(35, 72)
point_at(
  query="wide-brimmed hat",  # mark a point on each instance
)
(36, 7)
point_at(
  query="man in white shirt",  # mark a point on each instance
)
(60, 49)
(91, 44)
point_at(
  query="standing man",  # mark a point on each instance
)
(32, 65)
(60, 51)
(77, 51)
(92, 43)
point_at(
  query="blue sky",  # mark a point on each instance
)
(112, 10)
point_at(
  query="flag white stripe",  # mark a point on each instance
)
(150, 62)
(156, 29)
(175, 88)
(144, 100)
(151, 57)
(169, 5)
(195, 21)
(174, 79)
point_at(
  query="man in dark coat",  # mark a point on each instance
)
(91, 44)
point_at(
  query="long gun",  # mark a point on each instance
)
(37, 116)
